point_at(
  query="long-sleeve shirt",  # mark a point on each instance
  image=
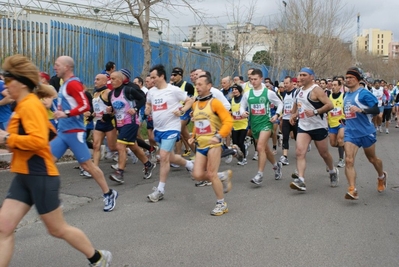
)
(272, 96)
(29, 139)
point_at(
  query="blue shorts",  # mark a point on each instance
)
(128, 134)
(203, 151)
(104, 126)
(381, 109)
(186, 116)
(76, 142)
(335, 130)
(317, 134)
(166, 140)
(364, 141)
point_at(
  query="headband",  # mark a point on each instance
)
(354, 73)
(23, 80)
(307, 70)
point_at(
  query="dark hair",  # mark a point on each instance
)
(317, 80)
(241, 78)
(288, 77)
(141, 81)
(160, 70)
(257, 72)
(336, 80)
(268, 79)
(238, 87)
(323, 80)
(208, 78)
(276, 83)
(110, 65)
(193, 70)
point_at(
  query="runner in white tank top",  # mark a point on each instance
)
(311, 107)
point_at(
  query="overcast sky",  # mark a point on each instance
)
(382, 14)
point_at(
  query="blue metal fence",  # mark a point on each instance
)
(91, 49)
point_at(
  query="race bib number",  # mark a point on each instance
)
(258, 109)
(301, 111)
(348, 113)
(287, 108)
(203, 127)
(160, 107)
(237, 115)
(335, 112)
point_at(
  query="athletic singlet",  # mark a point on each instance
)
(303, 103)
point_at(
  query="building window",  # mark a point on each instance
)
(378, 36)
(382, 41)
(382, 47)
(378, 47)
(382, 36)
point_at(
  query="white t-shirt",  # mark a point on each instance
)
(219, 95)
(144, 89)
(378, 93)
(164, 102)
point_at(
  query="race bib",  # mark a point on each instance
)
(237, 115)
(301, 111)
(336, 112)
(258, 109)
(348, 113)
(203, 127)
(160, 107)
(287, 108)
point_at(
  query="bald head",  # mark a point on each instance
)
(116, 79)
(226, 83)
(100, 81)
(64, 66)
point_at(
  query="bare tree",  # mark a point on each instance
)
(309, 34)
(143, 12)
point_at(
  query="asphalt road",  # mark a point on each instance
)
(270, 225)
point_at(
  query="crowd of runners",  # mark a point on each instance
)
(165, 121)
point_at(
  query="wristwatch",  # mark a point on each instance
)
(67, 112)
(182, 112)
(6, 137)
(219, 137)
(315, 112)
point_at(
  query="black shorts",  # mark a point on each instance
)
(128, 134)
(39, 190)
(150, 125)
(104, 126)
(317, 134)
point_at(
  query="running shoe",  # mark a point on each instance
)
(110, 200)
(295, 174)
(156, 195)
(228, 159)
(239, 155)
(341, 163)
(309, 147)
(220, 209)
(380, 128)
(284, 160)
(226, 180)
(174, 165)
(257, 179)
(334, 178)
(351, 194)
(297, 184)
(115, 166)
(133, 157)
(148, 170)
(278, 171)
(243, 162)
(203, 183)
(255, 157)
(85, 173)
(387, 131)
(382, 183)
(246, 149)
(105, 260)
(110, 155)
(117, 176)
(186, 153)
(153, 153)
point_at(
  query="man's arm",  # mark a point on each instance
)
(133, 94)
(75, 90)
(323, 98)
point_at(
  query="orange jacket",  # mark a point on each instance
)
(29, 139)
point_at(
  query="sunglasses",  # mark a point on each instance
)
(7, 80)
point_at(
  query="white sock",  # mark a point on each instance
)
(189, 165)
(161, 187)
(302, 179)
(220, 201)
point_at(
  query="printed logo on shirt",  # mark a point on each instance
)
(203, 127)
